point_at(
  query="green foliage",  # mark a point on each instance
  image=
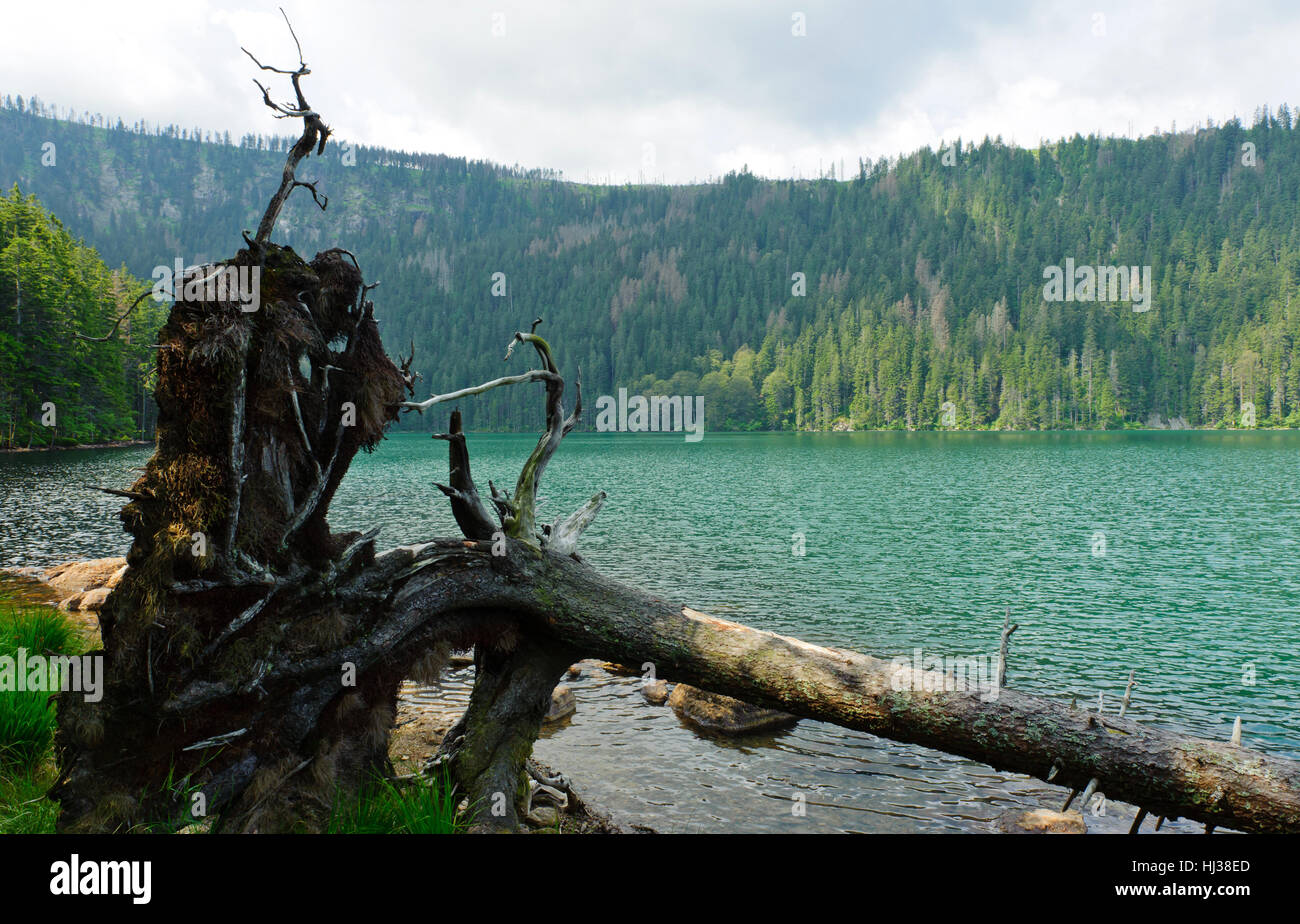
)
(924, 282)
(180, 791)
(27, 717)
(384, 807)
(27, 768)
(24, 809)
(53, 288)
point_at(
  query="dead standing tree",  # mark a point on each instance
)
(253, 656)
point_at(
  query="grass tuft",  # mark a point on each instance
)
(27, 769)
(27, 718)
(385, 807)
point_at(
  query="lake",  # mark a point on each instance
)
(1174, 554)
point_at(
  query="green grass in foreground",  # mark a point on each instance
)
(27, 767)
(27, 718)
(385, 807)
(24, 809)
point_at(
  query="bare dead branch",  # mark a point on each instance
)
(320, 198)
(267, 67)
(364, 305)
(563, 539)
(314, 135)
(472, 515)
(126, 314)
(501, 500)
(523, 525)
(238, 407)
(536, 375)
(118, 492)
(576, 416)
(301, 63)
(405, 365)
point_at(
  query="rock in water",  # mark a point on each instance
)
(655, 692)
(1041, 821)
(713, 712)
(562, 704)
(625, 670)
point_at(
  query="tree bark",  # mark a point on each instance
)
(490, 745)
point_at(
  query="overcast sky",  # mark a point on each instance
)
(667, 90)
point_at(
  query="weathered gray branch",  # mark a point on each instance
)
(564, 535)
(523, 524)
(535, 375)
(116, 324)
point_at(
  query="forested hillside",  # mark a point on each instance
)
(56, 388)
(922, 278)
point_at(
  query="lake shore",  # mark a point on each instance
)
(399, 430)
(114, 444)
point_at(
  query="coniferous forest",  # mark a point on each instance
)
(908, 293)
(67, 374)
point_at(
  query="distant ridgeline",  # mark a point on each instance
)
(57, 389)
(1094, 282)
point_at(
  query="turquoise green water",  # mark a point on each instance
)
(911, 541)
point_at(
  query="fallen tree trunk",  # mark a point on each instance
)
(253, 657)
(1165, 773)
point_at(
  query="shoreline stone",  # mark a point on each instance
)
(563, 705)
(1041, 821)
(655, 692)
(713, 712)
(75, 583)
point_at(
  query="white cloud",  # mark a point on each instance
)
(582, 86)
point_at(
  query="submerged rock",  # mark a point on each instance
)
(724, 715)
(655, 692)
(562, 704)
(1041, 821)
(625, 670)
